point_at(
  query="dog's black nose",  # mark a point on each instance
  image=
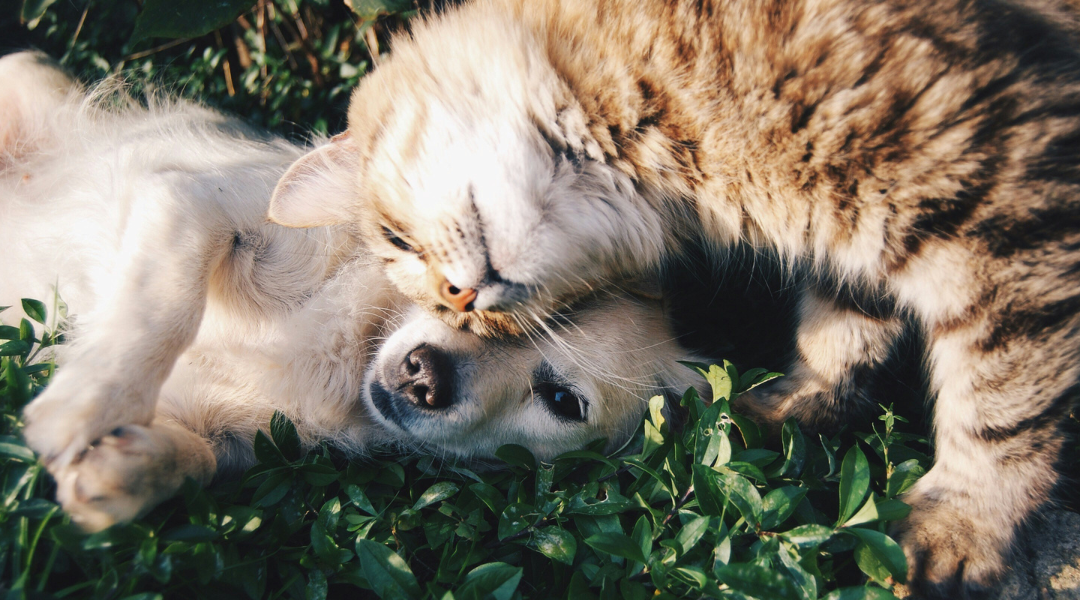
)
(427, 377)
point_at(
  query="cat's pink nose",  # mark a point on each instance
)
(460, 299)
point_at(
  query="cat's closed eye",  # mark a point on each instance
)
(396, 240)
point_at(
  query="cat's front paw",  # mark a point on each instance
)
(952, 553)
(118, 478)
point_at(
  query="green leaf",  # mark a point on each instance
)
(360, 499)
(7, 332)
(35, 309)
(32, 10)
(554, 543)
(854, 483)
(514, 519)
(867, 514)
(779, 504)
(317, 587)
(757, 582)
(490, 496)
(869, 592)
(691, 533)
(751, 382)
(26, 332)
(498, 580)
(190, 533)
(436, 493)
(892, 510)
(14, 348)
(271, 491)
(751, 433)
(386, 572)
(642, 535)
(806, 536)
(719, 380)
(710, 497)
(692, 576)
(12, 448)
(369, 10)
(266, 451)
(656, 413)
(807, 584)
(516, 456)
(903, 477)
(171, 19)
(708, 436)
(285, 437)
(743, 495)
(17, 384)
(794, 449)
(616, 544)
(588, 455)
(884, 550)
(870, 564)
(614, 504)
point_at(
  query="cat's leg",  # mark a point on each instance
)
(838, 347)
(1004, 376)
(131, 470)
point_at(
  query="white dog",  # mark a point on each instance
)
(194, 319)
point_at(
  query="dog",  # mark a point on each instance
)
(193, 319)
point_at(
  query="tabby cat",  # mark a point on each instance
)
(918, 161)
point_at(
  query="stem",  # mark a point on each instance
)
(682, 502)
(155, 49)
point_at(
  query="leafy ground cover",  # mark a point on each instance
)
(713, 510)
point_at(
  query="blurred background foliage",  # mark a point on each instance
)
(287, 65)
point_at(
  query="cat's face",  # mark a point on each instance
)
(486, 199)
(451, 393)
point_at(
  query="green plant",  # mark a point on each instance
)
(708, 511)
(287, 65)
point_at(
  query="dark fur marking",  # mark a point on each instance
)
(1030, 322)
(1048, 417)
(801, 116)
(1006, 235)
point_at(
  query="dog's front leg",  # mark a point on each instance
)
(131, 470)
(149, 311)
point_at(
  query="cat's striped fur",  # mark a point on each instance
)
(920, 158)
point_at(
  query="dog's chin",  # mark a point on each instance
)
(385, 409)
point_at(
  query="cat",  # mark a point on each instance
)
(192, 320)
(915, 161)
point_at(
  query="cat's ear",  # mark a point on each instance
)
(318, 188)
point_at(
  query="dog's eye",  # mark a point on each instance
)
(561, 402)
(397, 241)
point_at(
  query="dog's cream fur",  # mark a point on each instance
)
(194, 318)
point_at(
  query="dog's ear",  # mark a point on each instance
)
(646, 286)
(318, 188)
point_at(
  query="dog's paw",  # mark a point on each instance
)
(75, 411)
(118, 477)
(951, 552)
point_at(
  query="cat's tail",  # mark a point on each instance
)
(33, 90)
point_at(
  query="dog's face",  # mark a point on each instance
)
(452, 393)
